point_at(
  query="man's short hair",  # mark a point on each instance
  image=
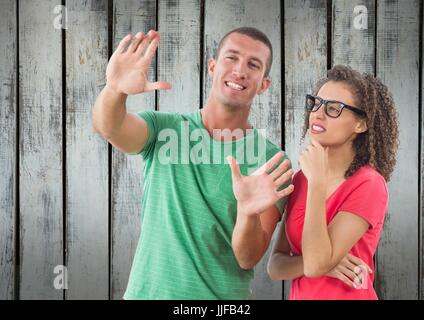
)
(255, 34)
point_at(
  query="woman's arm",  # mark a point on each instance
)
(324, 247)
(282, 265)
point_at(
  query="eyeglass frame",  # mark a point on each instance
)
(325, 102)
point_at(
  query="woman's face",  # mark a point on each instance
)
(335, 132)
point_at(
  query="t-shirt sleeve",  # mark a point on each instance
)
(369, 200)
(155, 121)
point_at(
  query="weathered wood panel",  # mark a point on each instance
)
(351, 46)
(86, 153)
(40, 116)
(421, 247)
(127, 181)
(221, 17)
(8, 132)
(179, 54)
(305, 51)
(397, 66)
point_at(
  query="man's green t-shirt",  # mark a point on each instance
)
(189, 211)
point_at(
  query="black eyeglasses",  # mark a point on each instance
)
(332, 108)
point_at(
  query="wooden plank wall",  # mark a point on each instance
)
(68, 198)
(8, 142)
(87, 230)
(398, 67)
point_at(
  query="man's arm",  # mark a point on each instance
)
(252, 235)
(126, 74)
(125, 131)
(257, 214)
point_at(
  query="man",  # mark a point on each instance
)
(205, 224)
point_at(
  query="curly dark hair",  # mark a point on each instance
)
(379, 144)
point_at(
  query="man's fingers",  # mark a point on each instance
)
(285, 192)
(147, 39)
(123, 43)
(151, 49)
(270, 164)
(159, 85)
(133, 46)
(283, 178)
(235, 169)
(283, 166)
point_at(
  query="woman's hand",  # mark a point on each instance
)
(351, 271)
(259, 191)
(314, 162)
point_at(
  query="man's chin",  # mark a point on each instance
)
(235, 105)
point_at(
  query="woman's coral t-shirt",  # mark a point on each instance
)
(364, 194)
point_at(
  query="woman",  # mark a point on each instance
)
(335, 215)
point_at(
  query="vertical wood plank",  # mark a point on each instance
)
(397, 66)
(351, 46)
(86, 152)
(127, 182)
(305, 50)
(221, 17)
(179, 54)
(7, 147)
(41, 187)
(421, 231)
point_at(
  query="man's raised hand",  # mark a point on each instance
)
(127, 70)
(259, 191)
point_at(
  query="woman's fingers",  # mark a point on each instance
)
(358, 262)
(348, 273)
(345, 279)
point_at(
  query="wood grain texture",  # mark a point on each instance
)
(266, 113)
(397, 66)
(86, 153)
(40, 149)
(350, 46)
(127, 181)
(305, 50)
(8, 134)
(179, 55)
(421, 247)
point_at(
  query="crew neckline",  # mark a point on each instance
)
(245, 137)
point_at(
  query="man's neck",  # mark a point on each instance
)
(218, 117)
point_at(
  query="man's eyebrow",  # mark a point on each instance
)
(237, 52)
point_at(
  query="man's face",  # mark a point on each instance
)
(238, 73)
